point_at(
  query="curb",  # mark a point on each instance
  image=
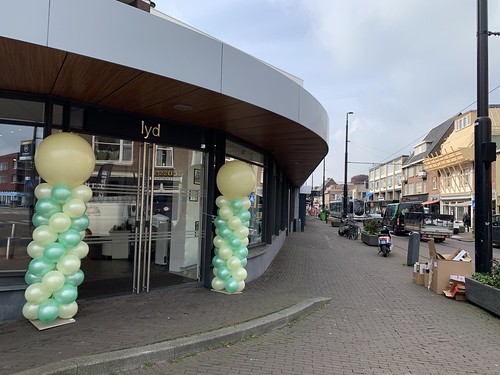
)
(129, 359)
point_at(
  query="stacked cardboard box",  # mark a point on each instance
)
(442, 267)
(456, 288)
(421, 273)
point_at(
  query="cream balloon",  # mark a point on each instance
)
(43, 235)
(69, 264)
(74, 208)
(65, 158)
(30, 310)
(53, 280)
(239, 274)
(233, 263)
(222, 201)
(36, 293)
(236, 179)
(43, 190)
(81, 250)
(35, 250)
(218, 284)
(59, 222)
(225, 252)
(225, 213)
(246, 204)
(67, 311)
(241, 286)
(82, 192)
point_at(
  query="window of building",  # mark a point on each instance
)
(111, 150)
(462, 122)
(418, 187)
(256, 161)
(434, 183)
(164, 156)
(389, 182)
(411, 189)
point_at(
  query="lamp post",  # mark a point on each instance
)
(346, 198)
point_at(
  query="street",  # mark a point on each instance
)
(378, 321)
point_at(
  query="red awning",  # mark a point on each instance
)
(431, 201)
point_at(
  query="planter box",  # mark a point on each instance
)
(483, 295)
(369, 239)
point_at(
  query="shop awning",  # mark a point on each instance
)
(369, 195)
(432, 201)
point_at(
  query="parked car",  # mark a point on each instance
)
(395, 212)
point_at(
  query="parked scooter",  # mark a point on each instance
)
(384, 241)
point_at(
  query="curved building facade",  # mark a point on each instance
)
(163, 107)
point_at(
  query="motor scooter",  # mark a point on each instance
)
(384, 241)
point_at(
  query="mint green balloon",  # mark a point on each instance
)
(31, 279)
(39, 219)
(40, 266)
(80, 223)
(48, 310)
(231, 285)
(67, 294)
(47, 207)
(69, 238)
(61, 193)
(75, 279)
(54, 252)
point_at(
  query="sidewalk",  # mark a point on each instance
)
(313, 268)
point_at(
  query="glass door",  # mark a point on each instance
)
(145, 217)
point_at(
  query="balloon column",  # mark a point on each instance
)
(65, 161)
(235, 181)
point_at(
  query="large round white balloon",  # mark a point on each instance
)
(236, 179)
(65, 158)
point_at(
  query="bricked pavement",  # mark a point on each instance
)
(377, 322)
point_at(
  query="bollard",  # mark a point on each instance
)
(413, 248)
(10, 240)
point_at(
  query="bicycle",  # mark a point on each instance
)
(353, 231)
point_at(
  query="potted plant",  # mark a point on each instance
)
(371, 229)
(484, 290)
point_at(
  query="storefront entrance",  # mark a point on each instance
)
(146, 225)
(145, 218)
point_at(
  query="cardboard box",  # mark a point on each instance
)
(443, 266)
(420, 273)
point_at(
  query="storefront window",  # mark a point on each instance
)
(111, 150)
(256, 161)
(165, 157)
(18, 179)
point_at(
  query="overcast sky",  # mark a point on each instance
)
(402, 67)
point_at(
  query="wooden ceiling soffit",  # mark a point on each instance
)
(28, 67)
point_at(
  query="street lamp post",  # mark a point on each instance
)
(346, 198)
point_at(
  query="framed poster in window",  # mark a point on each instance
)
(197, 176)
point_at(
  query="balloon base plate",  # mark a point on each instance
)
(224, 292)
(55, 323)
